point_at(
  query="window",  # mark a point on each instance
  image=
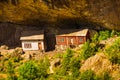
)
(27, 45)
(81, 40)
(61, 40)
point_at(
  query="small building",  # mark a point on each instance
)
(33, 40)
(71, 38)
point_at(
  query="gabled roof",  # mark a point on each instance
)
(32, 35)
(73, 32)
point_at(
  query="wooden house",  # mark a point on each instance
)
(71, 38)
(33, 40)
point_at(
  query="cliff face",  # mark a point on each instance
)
(106, 12)
(9, 34)
(62, 13)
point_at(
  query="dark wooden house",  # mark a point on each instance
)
(71, 38)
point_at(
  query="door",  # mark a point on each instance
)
(40, 46)
(71, 41)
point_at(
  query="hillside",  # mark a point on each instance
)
(62, 13)
(98, 59)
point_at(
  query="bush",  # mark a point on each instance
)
(34, 70)
(43, 66)
(27, 71)
(74, 67)
(90, 75)
(106, 76)
(69, 68)
(104, 35)
(95, 37)
(113, 52)
(88, 50)
(87, 75)
(65, 62)
(113, 33)
(16, 55)
(10, 71)
(117, 33)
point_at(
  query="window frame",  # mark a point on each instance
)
(81, 39)
(61, 40)
(27, 45)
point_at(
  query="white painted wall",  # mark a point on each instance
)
(34, 45)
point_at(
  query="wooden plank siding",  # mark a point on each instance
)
(58, 38)
(67, 40)
(71, 38)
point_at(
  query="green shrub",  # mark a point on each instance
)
(95, 37)
(104, 76)
(117, 33)
(10, 71)
(87, 75)
(74, 67)
(113, 33)
(113, 52)
(90, 75)
(104, 35)
(32, 71)
(28, 71)
(88, 50)
(15, 56)
(69, 68)
(43, 66)
(64, 67)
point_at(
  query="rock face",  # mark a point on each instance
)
(54, 63)
(97, 63)
(56, 13)
(6, 32)
(4, 47)
(9, 34)
(106, 12)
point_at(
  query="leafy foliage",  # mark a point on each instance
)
(69, 68)
(104, 76)
(113, 52)
(88, 50)
(74, 67)
(10, 71)
(115, 33)
(90, 75)
(31, 71)
(104, 35)
(42, 68)
(65, 63)
(28, 71)
(87, 75)
(95, 37)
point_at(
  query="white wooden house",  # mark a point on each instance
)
(33, 40)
